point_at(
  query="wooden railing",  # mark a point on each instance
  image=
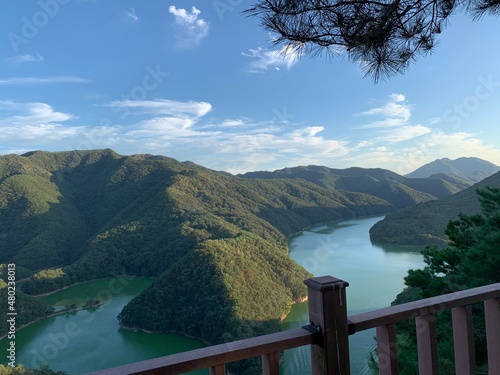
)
(328, 332)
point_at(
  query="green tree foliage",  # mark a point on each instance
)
(216, 243)
(27, 307)
(471, 259)
(425, 224)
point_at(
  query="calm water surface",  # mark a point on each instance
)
(375, 275)
(88, 340)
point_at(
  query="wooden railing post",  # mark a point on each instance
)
(328, 312)
(386, 350)
(492, 317)
(271, 364)
(217, 370)
(463, 340)
(427, 344)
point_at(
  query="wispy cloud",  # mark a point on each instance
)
(42, 80)
(403, 133)
(277, 59)
(31, 113)
(392, 122)
(181, 129)
(167, 120)
(395, 112)
(185, 131)
(163, 107)
(33, 124)
(429, 147)
(192, 28)
(21, 59)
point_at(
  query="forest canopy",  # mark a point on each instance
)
(471, 259)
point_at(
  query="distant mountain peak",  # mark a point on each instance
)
(471, 169)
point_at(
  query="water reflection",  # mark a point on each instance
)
(375, 275)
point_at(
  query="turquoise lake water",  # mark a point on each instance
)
(88, 340)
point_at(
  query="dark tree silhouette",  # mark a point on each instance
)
(385, 36)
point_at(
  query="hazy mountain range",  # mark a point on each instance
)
(470, 170)
(425, 224)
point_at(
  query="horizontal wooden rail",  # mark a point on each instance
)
(328, 333)
(428, 306)
(216, 355)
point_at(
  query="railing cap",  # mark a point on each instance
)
(324, 283)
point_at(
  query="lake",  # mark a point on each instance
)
(88, 340)
(375, 275)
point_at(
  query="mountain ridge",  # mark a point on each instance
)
(425, 223)
(76, 216)
(470, 169)
(216, 243)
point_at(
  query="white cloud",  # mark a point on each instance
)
(395, 112)
(265, 148)
(20, 59)
(403, 133)
(167, 129)
(164, 107)
(392, 124)
(429, 147)
(232, 123)
(183, 131)
(192, 27)
(32, 113)
(42, 80)
(397, 97)
(34, 125)
(41, 133)
(265, 59)
(166, 120)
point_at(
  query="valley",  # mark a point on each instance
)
(100, 342)
(215, 245)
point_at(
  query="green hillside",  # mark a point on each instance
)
(216, 243)
(425, 223)
(395, 189)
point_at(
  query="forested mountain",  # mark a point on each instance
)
(425, 223)
(469, 170)
(216, 243)
(392, 187)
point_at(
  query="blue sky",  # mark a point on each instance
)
(196, 80)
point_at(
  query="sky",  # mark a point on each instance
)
(197, 80)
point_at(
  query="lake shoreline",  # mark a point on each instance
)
(171, 332)
(57, 313)
(130, 277)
